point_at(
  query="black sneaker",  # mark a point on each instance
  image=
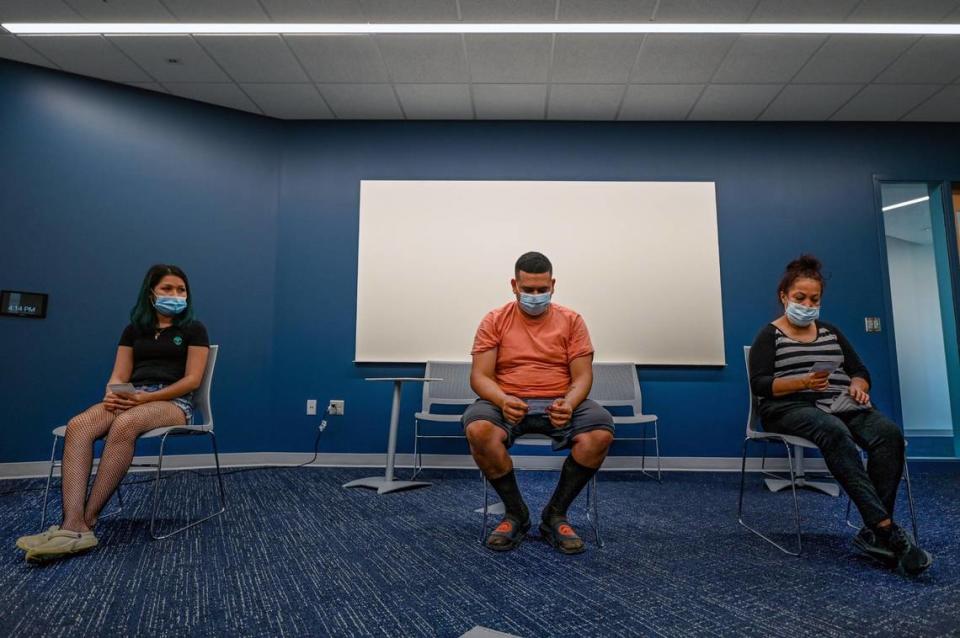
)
(911, 560)
(868, 543)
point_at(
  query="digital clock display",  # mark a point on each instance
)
(15, 303)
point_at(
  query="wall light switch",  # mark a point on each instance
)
(311, 407)
(871, 324)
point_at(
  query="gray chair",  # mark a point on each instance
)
(454, 390)
(201, 403)
(788, 441)
(617, 385)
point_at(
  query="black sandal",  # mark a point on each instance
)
(561, 536)
(511, 531)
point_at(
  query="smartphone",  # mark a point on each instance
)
(122, 388)
(538, 406)
(825, 366)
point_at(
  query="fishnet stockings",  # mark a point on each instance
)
(121, 431)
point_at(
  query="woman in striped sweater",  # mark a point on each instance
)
(811, 383)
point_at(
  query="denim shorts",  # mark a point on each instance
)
(184, 402)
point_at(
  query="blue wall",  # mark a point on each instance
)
(263, 215)
(98, 182)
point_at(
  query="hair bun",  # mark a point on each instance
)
(805, 263)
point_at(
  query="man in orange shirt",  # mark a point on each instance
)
(532, 369)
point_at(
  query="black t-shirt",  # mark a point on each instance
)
(162, 357)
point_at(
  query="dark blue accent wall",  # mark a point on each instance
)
(99, 181)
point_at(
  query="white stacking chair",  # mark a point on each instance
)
(617, 385)
(795, 480)
(454, 390)
(201, 402)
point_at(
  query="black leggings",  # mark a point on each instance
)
(872, 490)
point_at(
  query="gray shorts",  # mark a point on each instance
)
(588, 416)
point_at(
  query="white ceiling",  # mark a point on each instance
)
(530, 77)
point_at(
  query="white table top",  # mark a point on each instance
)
(423, 379)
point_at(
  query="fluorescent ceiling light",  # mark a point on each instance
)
(274, 28)
(906, 203)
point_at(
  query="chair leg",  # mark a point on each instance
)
(46, 490)
(913, 511)
(156, 492)
(486, 504)
(643, 450)
(796, 502)
(417, 459)
(593, 509)
(656, 441)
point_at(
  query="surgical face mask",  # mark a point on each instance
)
(534, 304)
(170, 306)
(800, 315)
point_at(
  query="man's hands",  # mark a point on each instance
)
(513, 409)
(117, 403)
(560, 412)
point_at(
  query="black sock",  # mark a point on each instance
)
(509, 492)
(573, 478)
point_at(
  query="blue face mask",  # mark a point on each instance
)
(800, 315)
(170, 306)
(535, 305)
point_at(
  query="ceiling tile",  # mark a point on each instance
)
(216, 10)
(353, 59)
(88, 55)
(584, 101)
(509, 58)
(932, 60)
(153, 54)
(510, 101)
(756, 59)
(13, 48)
(806, 11)
(853, 58)
(148, 86)
(314, 10)
(435, 101)
(362, 101)
(606, 10)
(125, 11)
(704, 10)
(410, 10)
(733, 101)
(902, 10)
(809, 101)
(254, 59)
(884, 102)
(593, 58)
(942, 107)
(426, 58)
(659, 101)
(228, 95)
(36, 11)
(288, 101)
(508, 10)
(681, 59)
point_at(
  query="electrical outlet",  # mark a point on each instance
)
(336, 407)
(311, 407)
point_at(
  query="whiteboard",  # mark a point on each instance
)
(639, 261)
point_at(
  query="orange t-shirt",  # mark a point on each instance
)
(533, 353)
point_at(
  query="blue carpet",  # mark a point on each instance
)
(297, 555)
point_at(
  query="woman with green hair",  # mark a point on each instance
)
(162, 354)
